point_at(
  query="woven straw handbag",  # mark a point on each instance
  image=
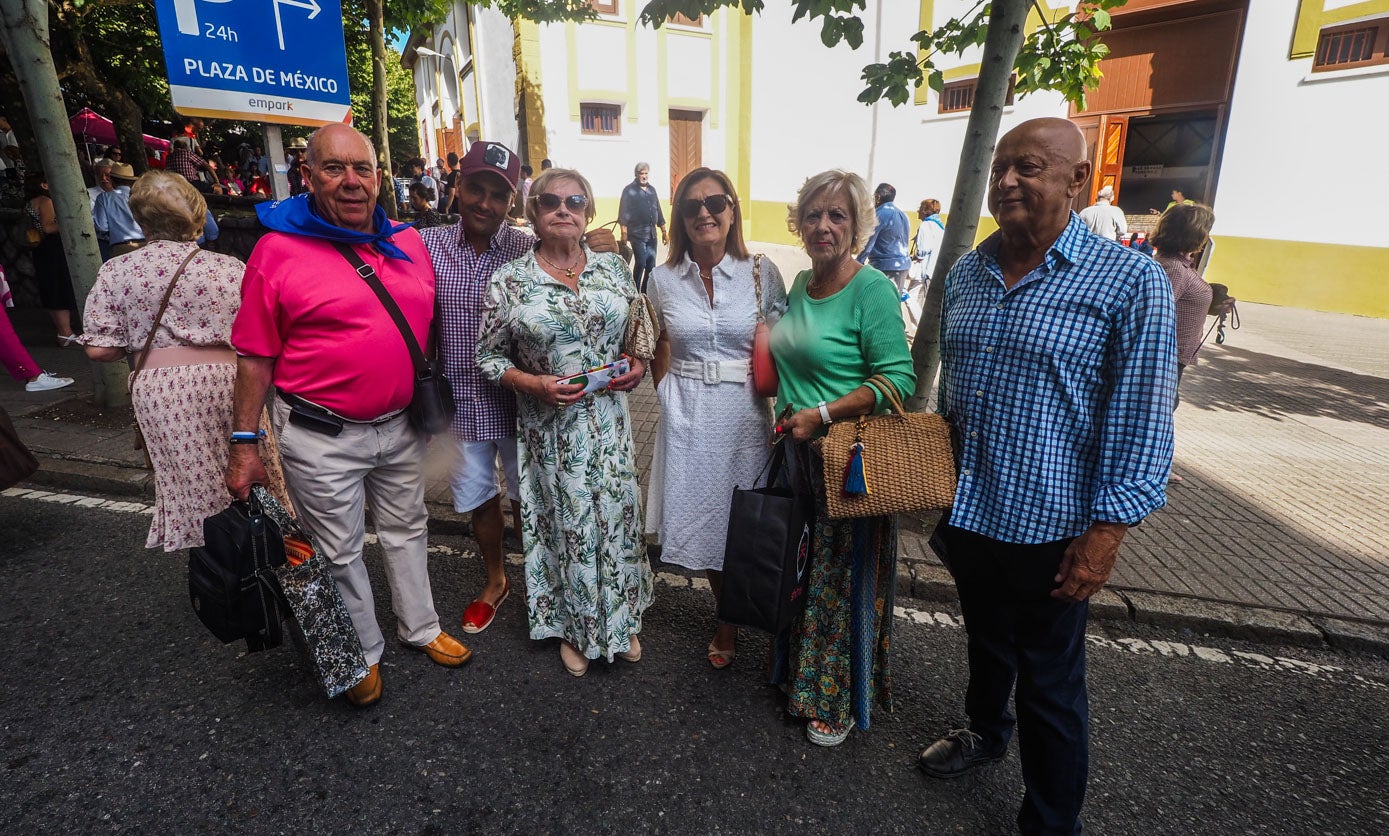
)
(887, 464)
(642, 331)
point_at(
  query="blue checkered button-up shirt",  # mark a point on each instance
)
(1060, 390)
(486, 412)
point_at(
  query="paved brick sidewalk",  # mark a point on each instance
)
(1282, 437)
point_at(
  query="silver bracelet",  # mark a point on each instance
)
(825, 414)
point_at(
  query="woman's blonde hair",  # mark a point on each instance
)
(167, 207)
(550, 175)
(854, 190)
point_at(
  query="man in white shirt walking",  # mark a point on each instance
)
(1103, 218)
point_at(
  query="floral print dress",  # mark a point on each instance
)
(588, 580)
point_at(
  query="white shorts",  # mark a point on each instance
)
(475, 478)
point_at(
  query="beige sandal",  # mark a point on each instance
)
(720, 659)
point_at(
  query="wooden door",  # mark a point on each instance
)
(1109, 155)
(686, 136)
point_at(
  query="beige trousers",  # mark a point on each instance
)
(330, 480)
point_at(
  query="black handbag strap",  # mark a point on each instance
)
(422, 368)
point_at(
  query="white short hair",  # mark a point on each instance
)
(1107, 193)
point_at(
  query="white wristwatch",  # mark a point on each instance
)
(824, 414)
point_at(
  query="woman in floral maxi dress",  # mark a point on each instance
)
(558, 311)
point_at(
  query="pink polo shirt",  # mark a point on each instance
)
(333, 342)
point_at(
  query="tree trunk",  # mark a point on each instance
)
(24, 30)
(380, 127)
(1007, 19)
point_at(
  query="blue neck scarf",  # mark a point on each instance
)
(297, 216)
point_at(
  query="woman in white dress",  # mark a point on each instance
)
(714, 428)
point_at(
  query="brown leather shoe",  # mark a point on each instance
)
(445, 650)
(367, 691)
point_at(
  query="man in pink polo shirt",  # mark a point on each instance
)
(311, 326)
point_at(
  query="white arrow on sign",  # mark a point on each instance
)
(311, 5)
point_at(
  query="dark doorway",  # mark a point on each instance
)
(1166, 152)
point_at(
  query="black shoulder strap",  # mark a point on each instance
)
(374, 282)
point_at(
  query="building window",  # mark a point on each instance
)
(956, 96)
(681, 20)
(600, 119)
(1352, 45)
(603, 7)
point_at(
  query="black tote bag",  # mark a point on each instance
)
(767, 553)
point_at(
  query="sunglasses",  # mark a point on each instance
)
(715, 203)
(550, 202)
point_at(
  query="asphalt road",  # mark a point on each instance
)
(121, 714)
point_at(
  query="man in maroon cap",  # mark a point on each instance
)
(465, 255)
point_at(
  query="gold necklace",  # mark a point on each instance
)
(568, 271)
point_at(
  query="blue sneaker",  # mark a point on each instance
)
(905, 296)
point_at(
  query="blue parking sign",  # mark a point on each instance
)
(265, 60)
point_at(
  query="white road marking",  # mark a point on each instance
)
(1142, 647)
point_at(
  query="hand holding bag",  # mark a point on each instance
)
(764, 374)
(887, 464)
(432, 406)
(770, 535)
(230, 584)
(329, 639)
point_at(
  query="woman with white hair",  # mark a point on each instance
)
(842, 326)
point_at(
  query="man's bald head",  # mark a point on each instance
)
(326, 134)
(1038, 167)
(1059, 138)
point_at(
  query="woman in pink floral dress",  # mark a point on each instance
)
(183, 395)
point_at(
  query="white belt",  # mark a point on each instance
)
(713, 371)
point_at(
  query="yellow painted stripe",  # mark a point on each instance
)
(1312, 15)
(1302, 274)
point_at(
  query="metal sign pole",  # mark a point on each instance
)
(275, 147)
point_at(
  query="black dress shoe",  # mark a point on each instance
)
(955, 754)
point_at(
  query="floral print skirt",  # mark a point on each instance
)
(185, 416)
(834, 659)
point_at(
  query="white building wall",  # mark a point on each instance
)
(807, 118)
(1280, 177)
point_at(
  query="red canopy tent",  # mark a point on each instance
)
(91, 127)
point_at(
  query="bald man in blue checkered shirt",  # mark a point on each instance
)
(1058, 373)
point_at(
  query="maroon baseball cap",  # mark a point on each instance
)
(494, 157)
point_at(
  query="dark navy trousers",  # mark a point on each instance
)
(1027, 645)
(644, 256)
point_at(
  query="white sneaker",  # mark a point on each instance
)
(45, 382)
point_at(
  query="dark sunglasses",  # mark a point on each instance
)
(550, 202)
(715, 203)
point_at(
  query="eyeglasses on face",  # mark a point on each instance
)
(715, 203)
(550, 202)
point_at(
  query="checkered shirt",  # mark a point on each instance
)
(485, 411)
(1059, 391)
(185, 162)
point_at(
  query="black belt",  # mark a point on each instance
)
(294, 400)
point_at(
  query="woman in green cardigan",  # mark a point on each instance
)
(842, 326)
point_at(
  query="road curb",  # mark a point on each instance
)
(88, 476)
(933, 584)
(918, 579)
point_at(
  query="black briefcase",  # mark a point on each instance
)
(767, 553)
(230, 582)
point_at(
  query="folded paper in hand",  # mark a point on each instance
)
(599, 378)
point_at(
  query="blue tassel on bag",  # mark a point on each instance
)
(855, 480)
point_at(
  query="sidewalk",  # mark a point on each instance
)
(1280, 530)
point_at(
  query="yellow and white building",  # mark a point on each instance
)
(1269, 110)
